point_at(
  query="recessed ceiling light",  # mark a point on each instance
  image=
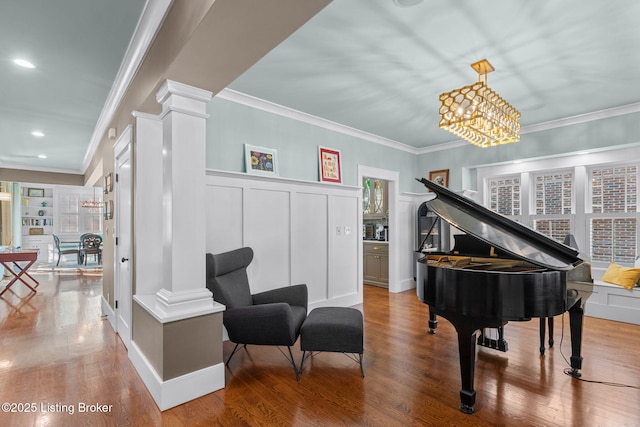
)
(23, 63)
(42, 156)
(407, 3)
(37, 133)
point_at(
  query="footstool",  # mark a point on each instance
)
(334, 329)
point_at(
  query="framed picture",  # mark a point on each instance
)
(108, 183)
(261, 160)
(440, 177)
(35, 192)
(330, 165)
(108, 209)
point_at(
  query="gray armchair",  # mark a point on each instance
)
(267, 318)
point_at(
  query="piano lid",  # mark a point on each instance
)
(499, 231)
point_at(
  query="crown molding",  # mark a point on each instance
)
(270, 107)
(552, 124)
(148, 25)
(40, 169)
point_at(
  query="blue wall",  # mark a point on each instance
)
(609, 133)
(231, 125)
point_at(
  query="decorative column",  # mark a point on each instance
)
(176, 344)
(183, 149)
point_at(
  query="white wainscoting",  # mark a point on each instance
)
(301, 232)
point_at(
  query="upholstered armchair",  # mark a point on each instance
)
(267, 318)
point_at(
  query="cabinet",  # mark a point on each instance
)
(43, 244)
(375, 196)
(376, 264)
(37, 211)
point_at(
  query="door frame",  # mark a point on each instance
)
(124, 143)
(393, 178)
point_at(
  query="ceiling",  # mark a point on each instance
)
(372, 65)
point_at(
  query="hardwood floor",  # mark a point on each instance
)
(58, 353)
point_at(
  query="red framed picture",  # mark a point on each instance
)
(330, 165)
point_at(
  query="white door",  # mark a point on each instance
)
(123, 214)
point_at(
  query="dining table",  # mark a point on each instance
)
(10, 260)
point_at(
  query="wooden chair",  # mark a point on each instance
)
(90, 244)
(65, 251)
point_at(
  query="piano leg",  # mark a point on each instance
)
(467, 352)
(576, 314)
(542, 333)
(433, 322)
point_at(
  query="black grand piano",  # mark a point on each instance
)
(525, 278)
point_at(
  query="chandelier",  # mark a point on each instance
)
(477, 114)
(93, 203)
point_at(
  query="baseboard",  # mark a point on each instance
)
(176, 391)
(405, 285)
(348, 300)
(108, 311)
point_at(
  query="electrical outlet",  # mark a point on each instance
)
(347, 230)
(338, 231)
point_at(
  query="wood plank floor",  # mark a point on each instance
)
(57, 352)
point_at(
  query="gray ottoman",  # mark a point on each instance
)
(335, 329)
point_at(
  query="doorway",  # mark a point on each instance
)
(392, 179)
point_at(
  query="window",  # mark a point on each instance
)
(74, 219)
(598, 204)
(504, 195)
(613, 223)
(553, 204)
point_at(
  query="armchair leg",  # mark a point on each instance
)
(293, 362)
(231, 355)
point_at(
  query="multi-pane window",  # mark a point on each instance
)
(553, 193)
(69, 217)
(553, 204)
(75, 219)
(614, 189)
(504, 195)
(606, 223)
(613, 224)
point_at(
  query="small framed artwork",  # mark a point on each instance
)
(35, 192)
(108, 209)
(330, 165)
(440, 177)
(108, 183)
(261, 160)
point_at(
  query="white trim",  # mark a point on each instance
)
(148, 25)
(179, 390)
(107, 311)
(278, 179)
(166, 307)
(281, 110)
(264, 105)
(393, 177)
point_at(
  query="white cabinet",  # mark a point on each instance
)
(37, 211)
(43, 244)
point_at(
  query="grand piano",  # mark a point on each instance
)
(524, 278)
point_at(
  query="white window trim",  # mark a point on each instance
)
(577, 162)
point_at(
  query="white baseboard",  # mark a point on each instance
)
(109, 312)
(341, 301)
(405, 285)
(176, 391)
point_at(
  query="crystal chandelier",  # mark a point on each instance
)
(477, 114)
(93, 203)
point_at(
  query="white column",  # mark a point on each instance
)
(183, 116)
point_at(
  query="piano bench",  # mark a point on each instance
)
(333, 329)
